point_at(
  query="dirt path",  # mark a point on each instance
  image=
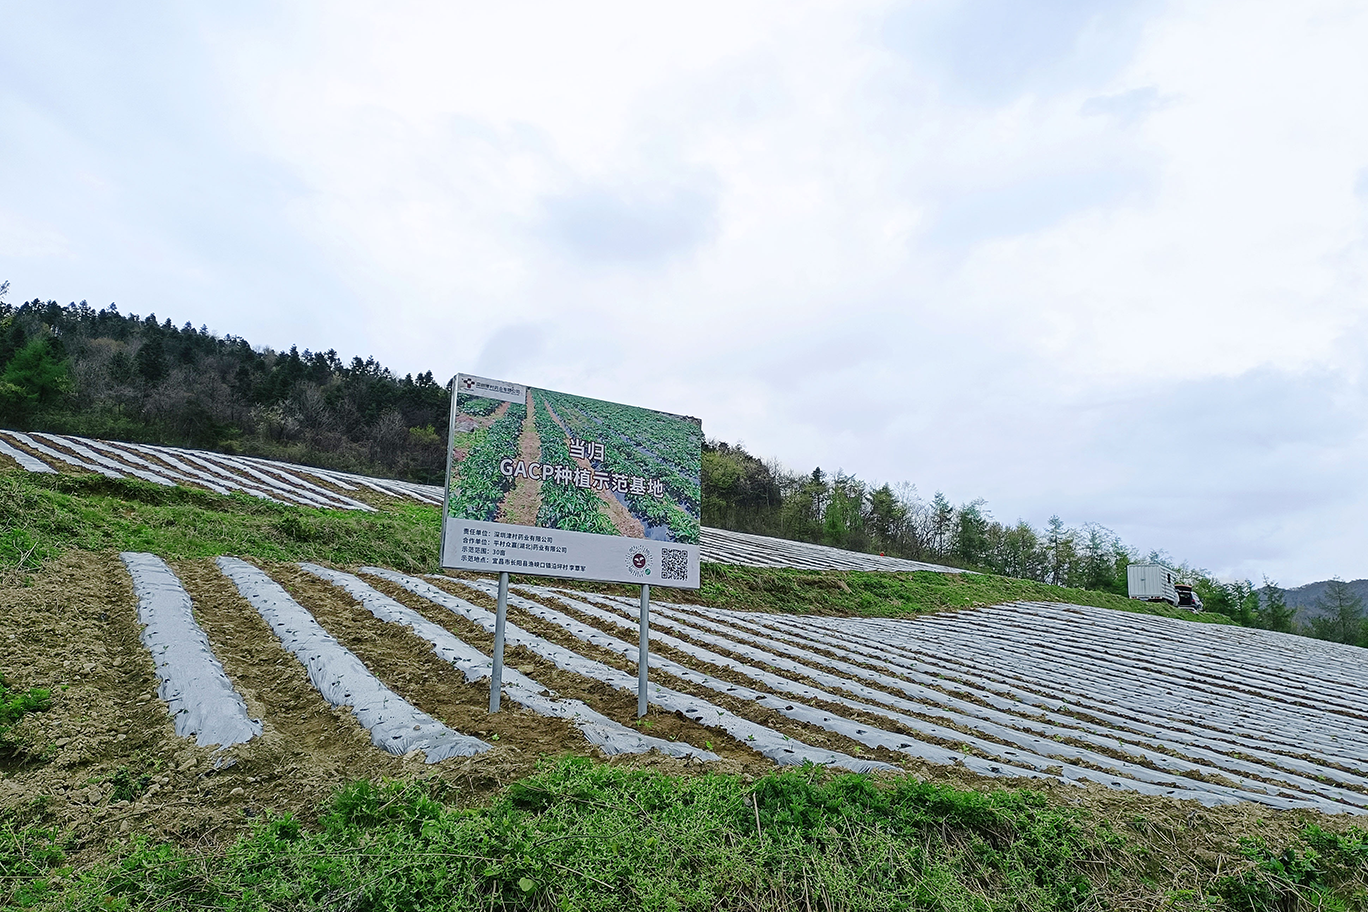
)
(618, 514)
(521, 504)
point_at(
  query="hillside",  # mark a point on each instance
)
(109, 375)
(971, 731)
(1303, 599)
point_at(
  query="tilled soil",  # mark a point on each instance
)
(104, 762)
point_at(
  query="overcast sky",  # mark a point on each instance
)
(1105, 260)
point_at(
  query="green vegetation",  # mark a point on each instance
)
(564, 506)
(480, 487)
(1330, 869)
(14, 705)
(639, 442)
(585, 835)
(874, 594)
(891, 594)
(43, 516)
(101, 373)
(1341, 618)
(478, 405)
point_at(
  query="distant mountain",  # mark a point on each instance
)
(1304, 598)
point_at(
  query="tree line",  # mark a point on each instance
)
(748, 494)
(101, 373)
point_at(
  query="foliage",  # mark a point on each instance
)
(585, 835)
(479, 486)
(847, 592)
(1273, 612)
(1342, 615)
(745, 494)
(14, 705)
(34, 380)
(568, 507)
(29, 856)
(639, 442)
(1313, 877)
(478, 405)
(103, 374)
(582, 835)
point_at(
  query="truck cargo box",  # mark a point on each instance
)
(1151, 582)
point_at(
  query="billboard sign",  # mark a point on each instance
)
(553, 484)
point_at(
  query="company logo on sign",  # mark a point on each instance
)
(639, 562)
(491, 389)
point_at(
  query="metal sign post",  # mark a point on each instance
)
(501, 614)
(643, 665)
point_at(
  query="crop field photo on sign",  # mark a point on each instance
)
(565, 462)
(562, 485)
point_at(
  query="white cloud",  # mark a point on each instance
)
(993, 247)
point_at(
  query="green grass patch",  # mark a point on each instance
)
(582, 835)
(880, 594)
(43, 516)
(14, 705)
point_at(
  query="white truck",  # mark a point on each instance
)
(1151, 582)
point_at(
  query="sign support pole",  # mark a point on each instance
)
(643, 665)
(500, 616)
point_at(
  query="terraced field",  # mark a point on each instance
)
(254, 667)
(1040, 691)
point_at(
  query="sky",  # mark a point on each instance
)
(1102, 260)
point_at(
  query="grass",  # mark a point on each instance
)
(582, 835)
(877, 594)
(44, 515)
(14, 705)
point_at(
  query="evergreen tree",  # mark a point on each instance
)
(1273, 612)
(35, 378)
(1341, 617)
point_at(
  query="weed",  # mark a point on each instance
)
(14, 705)
(127, 786)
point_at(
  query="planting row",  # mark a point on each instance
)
(1130, 701)
(217, 472)
(205, 705)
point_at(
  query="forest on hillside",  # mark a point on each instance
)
(101, 373)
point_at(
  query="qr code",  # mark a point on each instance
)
(674, 564)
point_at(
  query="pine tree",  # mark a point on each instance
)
(1273, 613)
(1341, 614)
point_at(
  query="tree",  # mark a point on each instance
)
(941, 524)
(886, 516)
(1060, 553)
(1341, 614)
(150, 361)
(971, 532)
(1273, 613)
(35, 378)
(1104, 559)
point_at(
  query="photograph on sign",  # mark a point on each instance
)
(554, 484)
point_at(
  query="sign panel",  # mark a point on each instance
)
(553, 484)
